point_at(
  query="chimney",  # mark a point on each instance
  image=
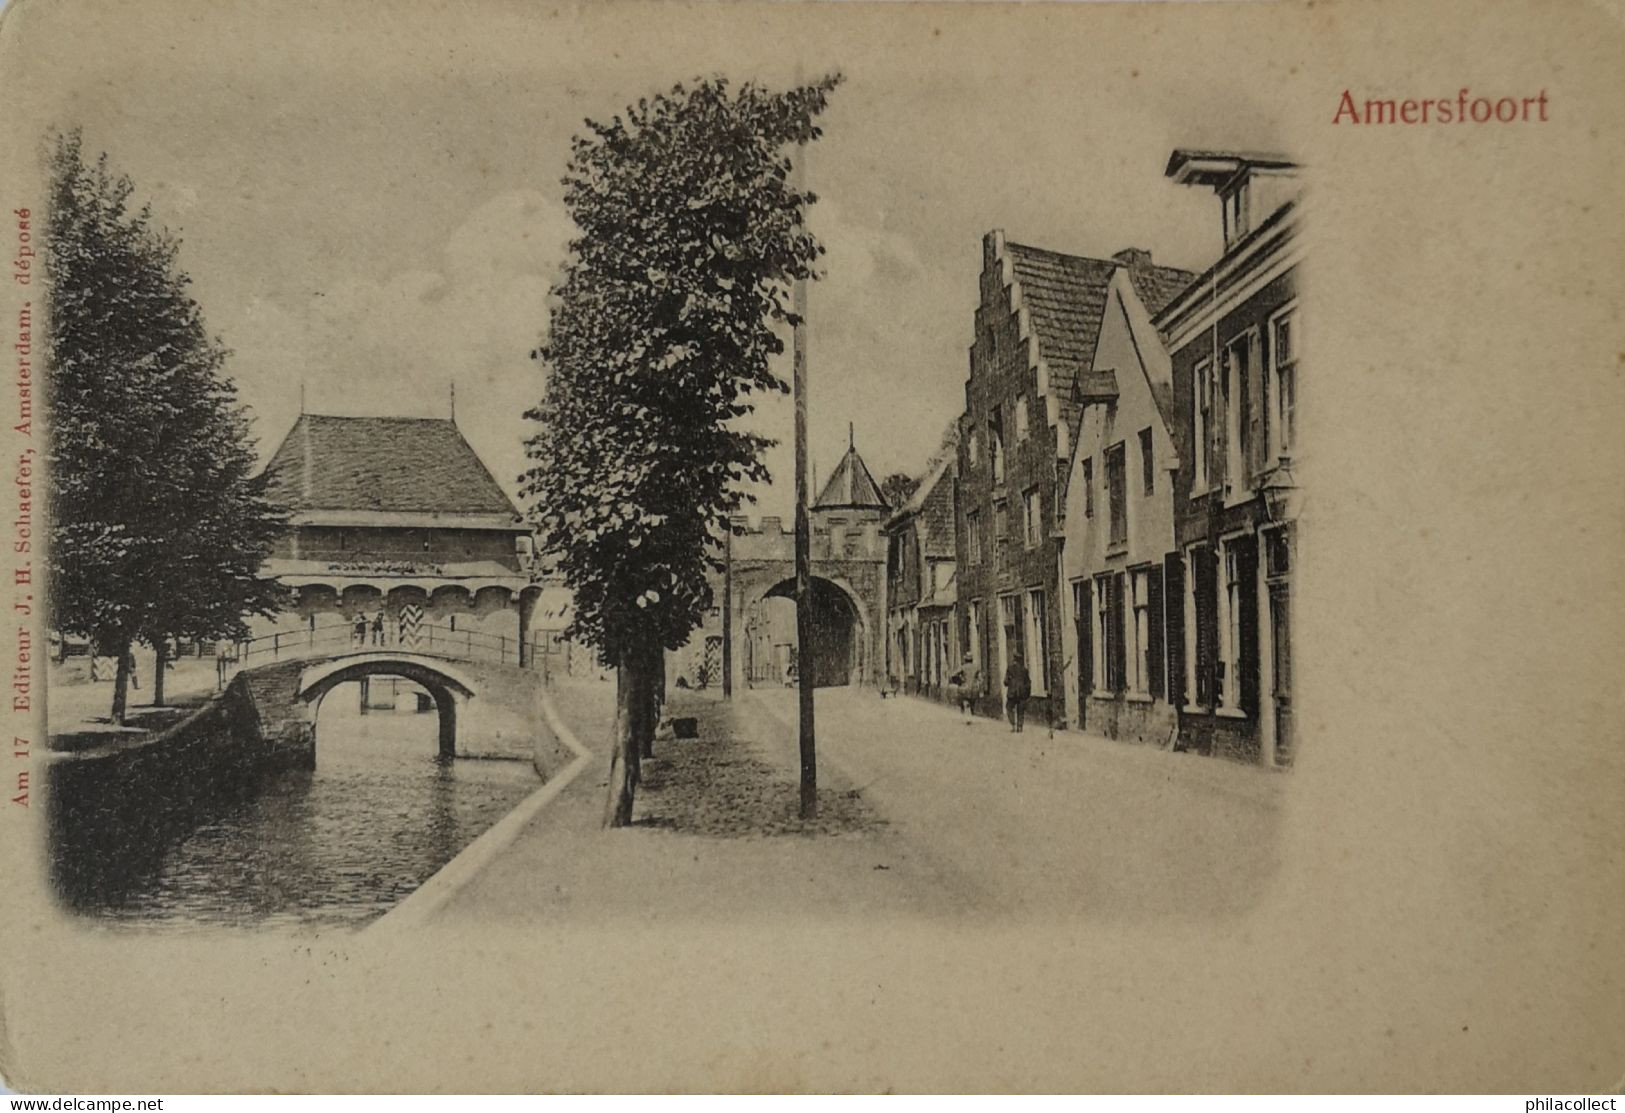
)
(1134, 258)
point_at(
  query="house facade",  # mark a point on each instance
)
(1037, 323)
(1119, 524)
(1234, 339)
(922, 642)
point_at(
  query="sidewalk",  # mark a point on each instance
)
(715, 837)
(78, 709)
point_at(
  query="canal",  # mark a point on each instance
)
(145, 844)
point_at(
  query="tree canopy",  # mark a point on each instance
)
(691, 233)
(159, 524)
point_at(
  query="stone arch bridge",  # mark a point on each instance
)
(487, 706)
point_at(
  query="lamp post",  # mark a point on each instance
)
(804, 677)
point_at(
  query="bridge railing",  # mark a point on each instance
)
(429, 638)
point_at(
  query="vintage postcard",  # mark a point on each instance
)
(753, 546)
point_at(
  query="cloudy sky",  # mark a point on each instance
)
(370, 206)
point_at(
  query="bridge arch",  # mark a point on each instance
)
(446, 685)
(841, 628)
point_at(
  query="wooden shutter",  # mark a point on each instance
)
(1153, 628)
(1174, 625)
(1086, 641)
(1205, 569)
(1118, 659)
(1247, 593)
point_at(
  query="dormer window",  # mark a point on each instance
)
(1236, 222)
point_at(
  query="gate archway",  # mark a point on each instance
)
(838, 638)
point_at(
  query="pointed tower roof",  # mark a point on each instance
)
(850, 486)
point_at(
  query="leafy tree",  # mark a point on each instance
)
(691, 234)
(159, 526)
(897, 488)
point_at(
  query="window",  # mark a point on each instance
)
(1284, 381)
(1021, 419)
(973, 536)
(1238, 359)
(1201, 423)
(1148, 472)
(1009, 632)
(1001, 521)
(1235, 215)
(971, 447)
(995, 444)
(1139, 632)
(1033, 505)
(1088, 487)
(1117, 494)
(1037, 642)
(973, 635)
(1230, 600)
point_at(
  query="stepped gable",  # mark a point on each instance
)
(1065, 299)
(399, 464)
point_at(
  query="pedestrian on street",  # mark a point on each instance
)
(1018, 688)
(965, 684)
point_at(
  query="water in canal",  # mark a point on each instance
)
(339, 845)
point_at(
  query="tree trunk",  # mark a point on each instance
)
(651, 675)
(624, 754)
(121, 680)
(162, 656)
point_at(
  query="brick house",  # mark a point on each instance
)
(1119, 520)
(1036, 326)
(1234, 339)
(922, 644)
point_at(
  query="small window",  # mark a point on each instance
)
(1088, 478)
(973, 535)
(1148, 470)
(1284, 373)
(1033, 505)
(1021, 419)
(1001, 520)
(995, 444)
(971, 450)
(1201, 422)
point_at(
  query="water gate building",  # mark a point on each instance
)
(398, 519)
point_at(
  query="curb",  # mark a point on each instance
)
(433, 895)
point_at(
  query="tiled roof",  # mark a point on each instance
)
(851, 487)
(1065, 296)
(400, 464)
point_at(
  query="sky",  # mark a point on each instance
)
(369, 204)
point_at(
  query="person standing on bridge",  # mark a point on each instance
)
(1018, 688)
(359, 630)
(224, 651)
(378, 627)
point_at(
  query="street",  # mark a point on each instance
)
(921, 814)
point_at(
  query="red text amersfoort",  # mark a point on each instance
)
(1466, 107)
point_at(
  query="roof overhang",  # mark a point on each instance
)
(1218, 169)
(412, 519)
(1094, 387)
